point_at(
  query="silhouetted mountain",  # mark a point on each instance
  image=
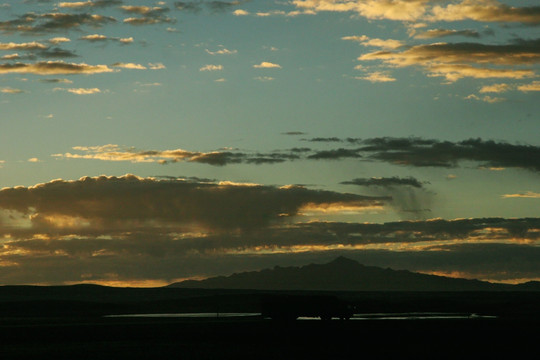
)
(529, 285)
(343, 274)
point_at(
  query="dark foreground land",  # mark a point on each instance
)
(70, 323)
(265, 339)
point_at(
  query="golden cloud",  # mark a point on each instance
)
(53, 68)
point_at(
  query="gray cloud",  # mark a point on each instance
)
(324, 139)
(294, 133)
(487, 248)
(214, 6)
(335, 154)
(53, 22)
(123, 202)
(386, 182)
(416, 152)
(435, 33)
(455, 61)
(89, 4)
(409, 195)
(56, 53)
(428, 152)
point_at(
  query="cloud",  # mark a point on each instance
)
(486, 11)
(386, 182)
(56, 53)
(240, 12)
(528, 195)
(8, 90)
(366, 41)
(213, 6)
(94, 37)
(264, 78)
(517, 53)
(458, 60)
(109, 204)
(534, 86)
(94, 227)
(189, 6)
(409, 195)
(371, 9)
(335, 154)
(58, 40)
(156, 66)
(34, 45)
(488, 99)
(222, 51)
(86, 4)
(416, 152)
(427, 10)
(293, 133)
(324, 139)
(35, 49)
(435, 33)
(495, 88)
(144, 10)
(148, 15)
(376, 77)
(113, 152)
(428, 152)
(80, 91)
(211, 68)
(131, 66)
(53, 68)
(56, 81)
(267, 65)
(53, 22)
(220, 6)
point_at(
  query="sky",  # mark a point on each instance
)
(147, 142)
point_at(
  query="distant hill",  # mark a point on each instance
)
(343, 274)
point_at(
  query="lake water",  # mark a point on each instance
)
(367, 316)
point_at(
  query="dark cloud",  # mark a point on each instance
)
(434, 33)
(455, 61)
(90, 3)
(56, 53)
(416, 152)
(300, 150)
(385, 182)
(409, 196)
(54, 81)
(129, 200)
(294, 133)
(53, 22)
(35, 49)
(221, 6)
(466, 248)
(189, 6)
(324, 139)
(335, 154)
(102, 229)
(427, 152)
(214, 6)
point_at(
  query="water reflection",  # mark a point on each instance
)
(187, 315)
(366, 316)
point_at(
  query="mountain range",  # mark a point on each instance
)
(343, 274)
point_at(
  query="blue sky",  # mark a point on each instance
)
(132, 131)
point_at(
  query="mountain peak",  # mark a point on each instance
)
(343, 261)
